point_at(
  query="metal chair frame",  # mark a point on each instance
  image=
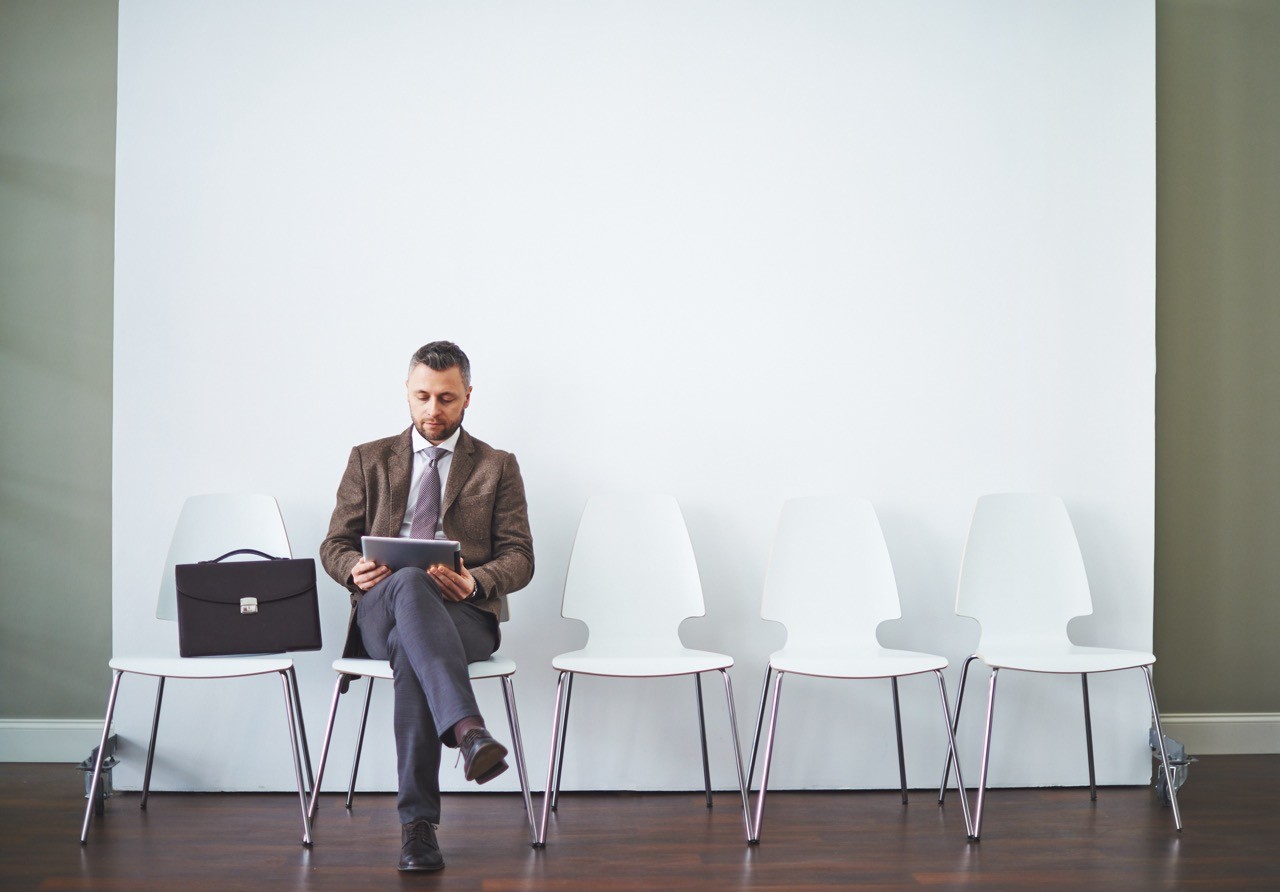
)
(560, 730)
(293, 711)
(976, 832)
(897, 721)
(349, 669)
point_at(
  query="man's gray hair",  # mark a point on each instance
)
(441, 356)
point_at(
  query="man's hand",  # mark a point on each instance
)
(453, 586)
(366, 574)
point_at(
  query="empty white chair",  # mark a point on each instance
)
(351, 668)
(633, 579)
(208, 526)
(1023, 579)
(830, 583)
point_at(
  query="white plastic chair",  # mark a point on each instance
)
(1023, 578)
(351, 668)
(633, 579)
(831, 609)
(208, 526)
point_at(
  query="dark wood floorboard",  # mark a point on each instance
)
(1044, 839)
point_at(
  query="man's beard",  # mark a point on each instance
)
(445, 434)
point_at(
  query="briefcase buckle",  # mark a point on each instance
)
(248, 605)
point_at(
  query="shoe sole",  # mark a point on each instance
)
(485, 761)
(493, 772)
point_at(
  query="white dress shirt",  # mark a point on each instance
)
(420, 462)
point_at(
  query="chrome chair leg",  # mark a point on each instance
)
(355, 763)
(1088, 737)
(955, 729)
(551, 761)
(753, 837)
(702, 735)
(297, 755)
(302, 730)
(986, 757)
(951, 747)
(97, 765)
(324, 750)
(737, 752)
(151, 746)
(897, 725)
(755, 739)
(517, 746)
(564, 733)
(1164, 756)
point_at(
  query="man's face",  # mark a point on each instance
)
(437, 401)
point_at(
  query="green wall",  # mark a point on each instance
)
(57, 193)
(1218, 345)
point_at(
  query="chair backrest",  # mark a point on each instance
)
(1022, 577)
(211, 525)
(830, 580)
(632, 576)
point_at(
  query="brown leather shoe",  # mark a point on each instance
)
(418, 847)
(483, 757)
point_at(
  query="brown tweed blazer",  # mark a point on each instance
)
(483, 507)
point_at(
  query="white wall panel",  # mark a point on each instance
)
(736, 252)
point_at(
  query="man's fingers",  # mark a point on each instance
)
(452, 586)
(366, 574)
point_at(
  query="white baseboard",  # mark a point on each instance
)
(1224, 733)
(48, 740)
(1203, 734)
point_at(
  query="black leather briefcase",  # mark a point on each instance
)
(247, 607)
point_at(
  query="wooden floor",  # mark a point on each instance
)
(1042, 839)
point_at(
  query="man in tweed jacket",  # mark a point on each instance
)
(431, 623)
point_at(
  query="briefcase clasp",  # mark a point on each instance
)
(248, 605)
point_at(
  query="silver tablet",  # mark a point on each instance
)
(397, 553)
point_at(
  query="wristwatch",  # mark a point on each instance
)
(475, 589)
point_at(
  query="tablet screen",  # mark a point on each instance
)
(398, 553)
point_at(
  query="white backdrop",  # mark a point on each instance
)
(732, 251)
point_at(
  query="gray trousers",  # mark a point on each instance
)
(429, 642)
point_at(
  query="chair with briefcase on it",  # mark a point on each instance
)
(227, 608)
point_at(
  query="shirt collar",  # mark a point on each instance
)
(420, 442)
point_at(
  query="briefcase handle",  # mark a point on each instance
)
(244, 551)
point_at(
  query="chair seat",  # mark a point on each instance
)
(641, 663)
(877, 663)
(201, 667)
(1069, 659)
(493, 667)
